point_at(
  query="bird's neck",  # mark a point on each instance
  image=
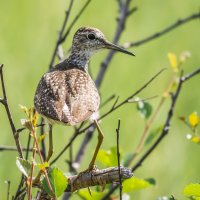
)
(79, 58)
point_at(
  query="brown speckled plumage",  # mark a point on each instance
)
(66, 94)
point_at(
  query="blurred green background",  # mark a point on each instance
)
(28, 31)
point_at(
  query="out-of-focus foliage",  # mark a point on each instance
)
(27, 36)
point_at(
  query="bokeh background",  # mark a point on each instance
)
(28, 31)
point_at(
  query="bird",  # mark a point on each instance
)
(66, 94)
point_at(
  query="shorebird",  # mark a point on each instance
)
(66, 94)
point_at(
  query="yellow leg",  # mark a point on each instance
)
(50, 152)
(100, 140)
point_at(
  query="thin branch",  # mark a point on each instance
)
(5, 103)
(118, 161)
(12, 148)
(67, 13)
(43, 147)
(122, 17)
(97, 177)
(163, 32)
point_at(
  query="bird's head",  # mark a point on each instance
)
(90, 40)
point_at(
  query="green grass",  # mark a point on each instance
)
(27, 37)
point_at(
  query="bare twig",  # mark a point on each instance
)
(4, 101)
(97, 177)
(12, 148)
(43, 147)
(122, 17)
(118, 160)
(163, 32)
(60, 35)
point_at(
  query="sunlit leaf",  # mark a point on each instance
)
(145, 109)
(135, 184)
(196, 139)
(185, 56)
(153, 134)
(24, 166)
(173, 61)
(43, 165)
(26, 124)
(24, 109)
(108, 157)
(41, 137)
(193, 119)
(84, 193)
(58, 182)
(192, 190)
(34, 119)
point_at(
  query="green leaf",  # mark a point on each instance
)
(108, 157)
(152, 181)
(153, 133)
(58, 182)
(24, 166)
(192, 190)
(145, 109)
(135, 184)
(43, 165)
(84, 193)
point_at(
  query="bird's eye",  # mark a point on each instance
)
(91, 36)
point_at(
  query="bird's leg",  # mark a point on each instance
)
(100, 140)
(50, 152)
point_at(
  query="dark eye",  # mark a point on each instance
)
(91, 36)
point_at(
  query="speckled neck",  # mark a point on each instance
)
(79, 58)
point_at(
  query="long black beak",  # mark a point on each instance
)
(109, 45)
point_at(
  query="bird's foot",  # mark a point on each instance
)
(91, 168)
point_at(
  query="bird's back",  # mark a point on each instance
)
(66, 95)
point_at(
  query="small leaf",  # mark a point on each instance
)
(41, 137)
(135, 184)
(153, 133)
(43, 165)
(84, 193)
(108, 157)
(193, 119)
(152, 181)
(24, 166)
(195, 139)
(173, 61)
(192, 190)
(24, 109)
(145, 109)
(58, 182)
(185, 56)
